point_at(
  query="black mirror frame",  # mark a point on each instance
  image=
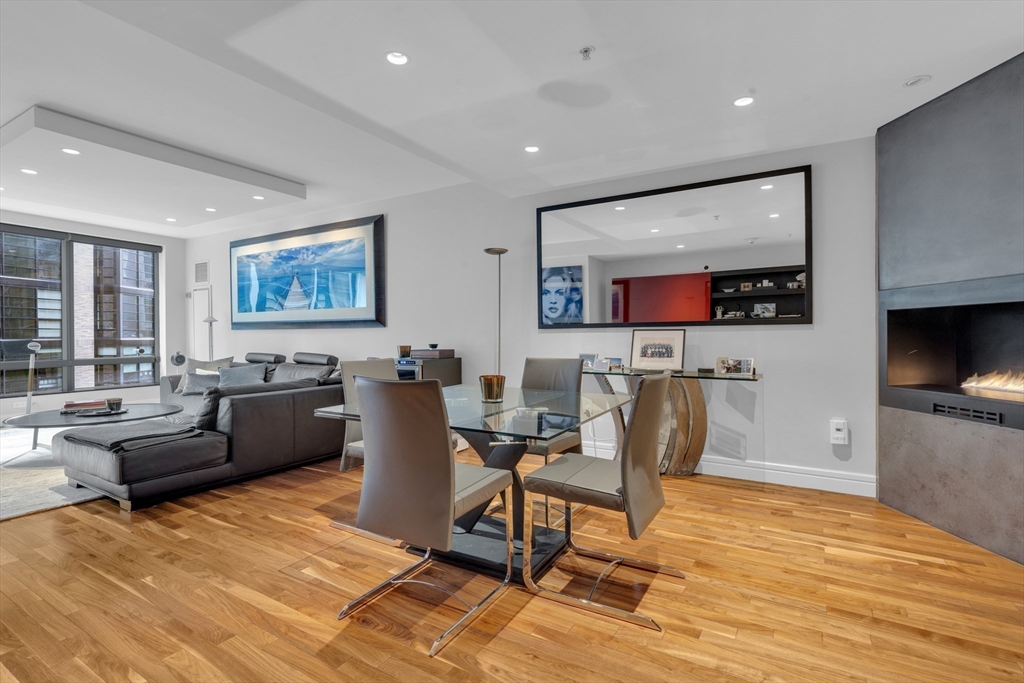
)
(807, 319)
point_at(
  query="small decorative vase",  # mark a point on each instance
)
(492, 388)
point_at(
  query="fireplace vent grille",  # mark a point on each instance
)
(969, 413)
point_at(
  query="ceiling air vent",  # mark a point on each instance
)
(968, 413)
(202, 272)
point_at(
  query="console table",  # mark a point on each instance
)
(685, 407)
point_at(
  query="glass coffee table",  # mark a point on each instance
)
(50, 419)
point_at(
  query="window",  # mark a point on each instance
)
(90, 303)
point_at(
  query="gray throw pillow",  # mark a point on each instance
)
(191, 365)
(241, 376)
(289, 372)
(195, 384)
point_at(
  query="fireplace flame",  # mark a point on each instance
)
(1009, 381)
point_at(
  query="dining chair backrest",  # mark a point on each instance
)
(641, 479)
(382, 368)
(553, 374)
(409, 469)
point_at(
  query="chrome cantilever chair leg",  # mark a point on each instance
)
(633, 562)
(473, 611)
(586, 604)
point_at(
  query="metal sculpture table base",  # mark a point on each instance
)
(684, 424)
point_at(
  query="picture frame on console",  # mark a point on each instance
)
(324, 276)
(654, 349)
(743, 367)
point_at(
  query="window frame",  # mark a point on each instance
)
(67, 281)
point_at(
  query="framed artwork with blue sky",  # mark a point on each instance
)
(324, 276)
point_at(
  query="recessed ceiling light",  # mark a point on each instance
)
(767, 187)
(532, 148)
(70, 151)
(397, 58)
(29, 171)
(172, 220)
(211, 210)
(655, 230)
(774, 215)
(620, 208)
(744, 101)
(916, 80)
(680, 246)
(256, 196)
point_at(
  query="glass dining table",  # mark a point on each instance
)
(500, 434)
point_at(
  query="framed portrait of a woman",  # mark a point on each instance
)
(561, 295)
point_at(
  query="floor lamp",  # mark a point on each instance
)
(493, 386)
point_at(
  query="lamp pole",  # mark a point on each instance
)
(210, 320)
(498, 251)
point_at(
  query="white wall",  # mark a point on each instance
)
(812, 372)
(172, 306)
(441, 288)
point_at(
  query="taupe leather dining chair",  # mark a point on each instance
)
(554, 374)
(378, 368)
(412, 487)
(631, 485)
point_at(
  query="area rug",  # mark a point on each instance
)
(30, 481)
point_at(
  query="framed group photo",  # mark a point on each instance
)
(657, 349)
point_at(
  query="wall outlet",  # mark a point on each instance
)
(839, 431)
(20, 404)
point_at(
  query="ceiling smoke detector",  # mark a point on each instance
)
(586, 51)
(751, 240)
(916, 80)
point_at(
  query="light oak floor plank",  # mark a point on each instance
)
(244, 583)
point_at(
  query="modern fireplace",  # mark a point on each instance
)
(956, 350)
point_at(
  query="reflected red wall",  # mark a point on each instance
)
(666, 298)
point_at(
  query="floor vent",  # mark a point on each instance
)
(968, 413)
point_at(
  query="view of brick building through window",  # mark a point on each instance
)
(111, 314)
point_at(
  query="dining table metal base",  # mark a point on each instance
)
(483, 550)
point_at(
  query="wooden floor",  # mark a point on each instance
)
(244, 584)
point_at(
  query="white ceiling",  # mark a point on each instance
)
(730, 216)
(301, 90)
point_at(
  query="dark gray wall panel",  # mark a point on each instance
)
(951, 184)
(962, 477)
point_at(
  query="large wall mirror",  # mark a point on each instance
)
(733, 251)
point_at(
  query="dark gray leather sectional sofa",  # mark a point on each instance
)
(246, 431)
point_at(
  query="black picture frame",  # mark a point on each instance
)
(371, 227)
(674, 338)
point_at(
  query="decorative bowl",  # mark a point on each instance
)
(433, 346)
(731, 289)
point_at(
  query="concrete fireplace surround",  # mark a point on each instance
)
(951, 210)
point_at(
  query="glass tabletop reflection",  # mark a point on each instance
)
(523, 414)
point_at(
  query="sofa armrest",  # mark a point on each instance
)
(168, 383)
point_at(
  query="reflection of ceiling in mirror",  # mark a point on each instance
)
(710, 218)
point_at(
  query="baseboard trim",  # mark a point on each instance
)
(791, 475)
